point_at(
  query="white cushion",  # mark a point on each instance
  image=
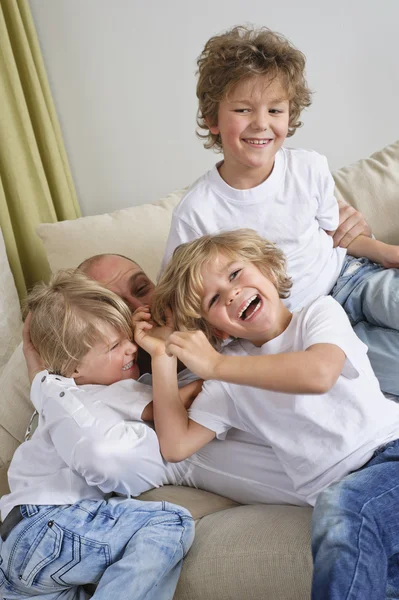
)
(372, 186)
(10, 313)
(139, 233)
(16, 408)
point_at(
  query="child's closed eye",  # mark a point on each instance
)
(213, 300)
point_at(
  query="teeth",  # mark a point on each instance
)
(258, 142)
(128, 365)
(248, 302)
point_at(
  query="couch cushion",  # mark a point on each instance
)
(372, 186)
(199, 502)
(15, 406)
(139, 232)
(10, 315)
(250, 552)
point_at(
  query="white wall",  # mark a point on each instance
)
(122, 77)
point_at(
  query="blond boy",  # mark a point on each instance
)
(251, 92)
(60, 529)
(302, 382)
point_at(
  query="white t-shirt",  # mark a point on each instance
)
(83, 444)
(292, 208)
(90, 441)
(317, 438)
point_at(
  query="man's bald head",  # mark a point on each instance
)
(122, 276)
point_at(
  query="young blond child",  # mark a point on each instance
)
(251, 92)
(60, 529)
(302, 382)
(91, 441)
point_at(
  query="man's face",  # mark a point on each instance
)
(125, 278)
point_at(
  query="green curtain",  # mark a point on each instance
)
(35, 181)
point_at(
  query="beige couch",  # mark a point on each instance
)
(240, 552)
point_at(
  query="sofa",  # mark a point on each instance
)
(253, 552)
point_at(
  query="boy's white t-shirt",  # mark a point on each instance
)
(83, 447)
(90, 441)
(317, 438)
(292, 209)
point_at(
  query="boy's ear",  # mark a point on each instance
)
(76, 374)
(222, 335)
(212, 128)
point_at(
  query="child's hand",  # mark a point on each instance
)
(142, 313)
(33, 359)
(194, 350)
(145, 335)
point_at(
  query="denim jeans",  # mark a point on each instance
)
(369, 295)
(131, 549)
(355, 533)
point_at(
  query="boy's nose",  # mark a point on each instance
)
(261, 120)
(232, 295)
(130, 347)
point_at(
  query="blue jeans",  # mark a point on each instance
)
(131, 549)
(369, 295)
(355, 533)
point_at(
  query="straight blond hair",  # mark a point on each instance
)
(68, 318)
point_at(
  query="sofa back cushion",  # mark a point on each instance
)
(10, 313)
(372, 186)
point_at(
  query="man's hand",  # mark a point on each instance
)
(194, 350)
(390, 256)
(33, 359)
(351, 224)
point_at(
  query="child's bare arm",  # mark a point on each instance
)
(385, 254)
(187, 395)
(311, 371)
(179, 436)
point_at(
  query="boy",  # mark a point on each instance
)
(313, 397)
(251, 91)
(60, 528)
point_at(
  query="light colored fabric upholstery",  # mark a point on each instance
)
(372, 186)
(199, 502)
(249, 552)
(10, 313)
(16, 408)
(139, 232)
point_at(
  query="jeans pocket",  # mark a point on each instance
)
(61, 558)
(45, 549)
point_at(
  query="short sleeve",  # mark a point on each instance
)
(327, 323)
(213, 408)
(327, 212)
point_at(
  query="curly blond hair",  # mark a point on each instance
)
(180, 288)
(242, 53)
(68, 318)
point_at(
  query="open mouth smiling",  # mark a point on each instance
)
(251, 306)
(128, 365)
